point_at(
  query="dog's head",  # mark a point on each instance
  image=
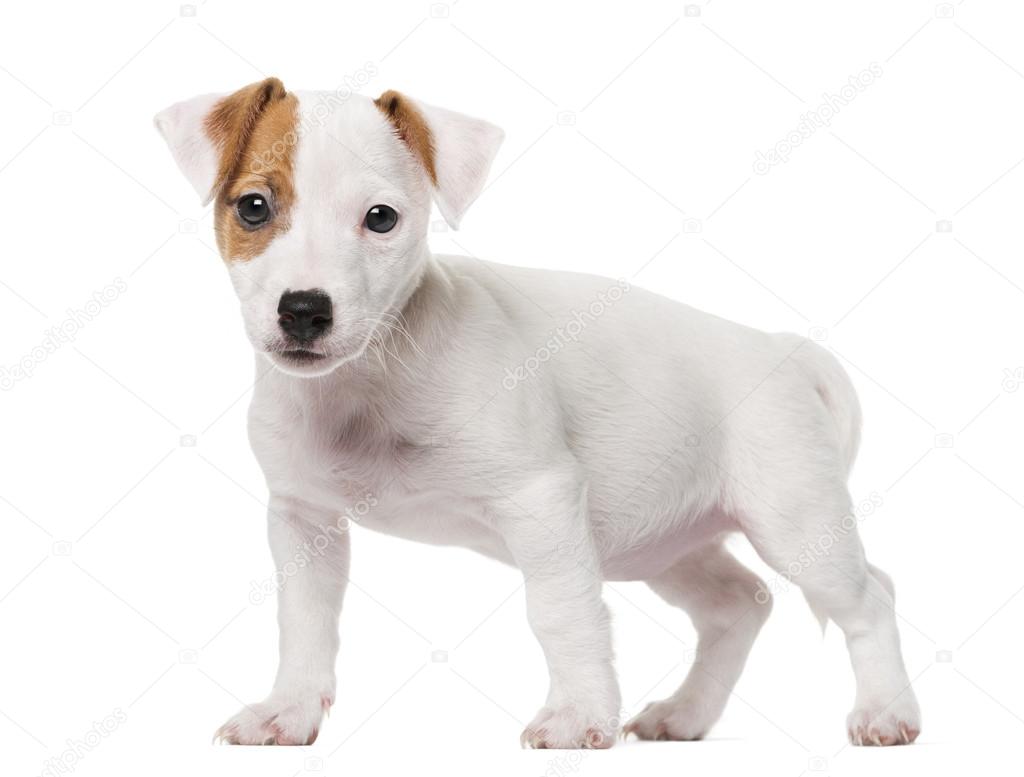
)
(322, 206)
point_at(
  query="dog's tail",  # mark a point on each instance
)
(838, 395)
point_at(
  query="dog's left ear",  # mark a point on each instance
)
(207, 134)
(456, 151)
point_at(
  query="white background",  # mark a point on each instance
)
(129, 554)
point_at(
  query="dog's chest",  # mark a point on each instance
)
(373, 479)
(337, 463)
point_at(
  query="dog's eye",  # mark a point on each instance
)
(253, 210)
(381, 218)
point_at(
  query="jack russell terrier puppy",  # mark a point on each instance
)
(570, 425)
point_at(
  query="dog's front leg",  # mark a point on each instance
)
(546, 530)
(311, 553)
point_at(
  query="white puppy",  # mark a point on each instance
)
(570, 425)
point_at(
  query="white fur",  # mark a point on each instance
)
(567, 424)
(463, 151)
(181, 125)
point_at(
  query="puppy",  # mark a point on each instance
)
(575, 427)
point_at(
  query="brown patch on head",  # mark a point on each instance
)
(254, 130)
(411, 128)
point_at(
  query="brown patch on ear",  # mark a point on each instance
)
(411, 128)
(232, 120)
(256, 131)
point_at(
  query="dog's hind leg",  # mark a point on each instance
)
(728, 604)
(816, 546)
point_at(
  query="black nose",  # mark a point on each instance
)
(305, 315)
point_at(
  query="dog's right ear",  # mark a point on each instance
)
(454, 150)
(207, 135)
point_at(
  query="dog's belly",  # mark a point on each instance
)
(436, 518)
(443, 518)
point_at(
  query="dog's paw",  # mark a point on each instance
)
(897, 723)
(278, 720)
(675, 719)
(570, 728)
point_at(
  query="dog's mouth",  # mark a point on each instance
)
(300, 356)
(308, 359)
(301, 361)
